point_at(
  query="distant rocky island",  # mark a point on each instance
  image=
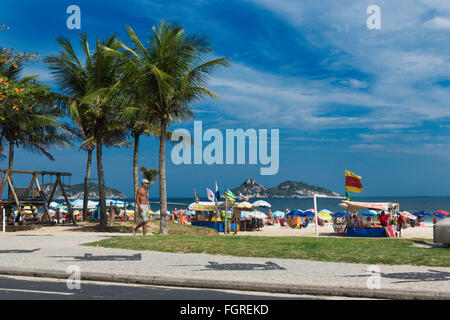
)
(77, 191)
(287, 189)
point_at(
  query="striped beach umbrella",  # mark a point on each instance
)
(445, 213)
(439, 215)
(324, 216)
(408, 215)
(296, 213)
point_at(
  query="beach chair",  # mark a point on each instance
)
(305, 225)
(297, 222)
(339, 229)
(289, 222)
(389, 232)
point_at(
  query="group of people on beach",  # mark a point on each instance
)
(397, 222)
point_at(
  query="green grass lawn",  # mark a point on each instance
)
(352, 250)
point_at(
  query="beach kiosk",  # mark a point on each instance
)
(357, 228)
(207, 216)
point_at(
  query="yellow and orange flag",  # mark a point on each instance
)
(353, 182)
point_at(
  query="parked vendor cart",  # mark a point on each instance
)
(207, 214)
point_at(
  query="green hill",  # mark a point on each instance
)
(287, 189)
(76, 192)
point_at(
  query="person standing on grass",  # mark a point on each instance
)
(143, 207)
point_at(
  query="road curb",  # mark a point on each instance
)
(237, 285)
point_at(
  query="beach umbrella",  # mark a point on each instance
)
(340, 214)
(244, 205)
(325, 211)
(439, 215)
(308, 213)
(418, 215)
(54, 204)
(424, 213)
(92, 204)
(295, 213)
(370, 213)
(77, 203)
(445, 213)
(408, 215)
(278, 214)
(115, 202)
(244, 214)
(324, 216)
(258, 214)
(261, 203)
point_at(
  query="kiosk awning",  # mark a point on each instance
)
(369, 205)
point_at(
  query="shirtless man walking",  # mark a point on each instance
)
(142, 209)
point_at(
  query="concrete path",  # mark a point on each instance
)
(49, 255)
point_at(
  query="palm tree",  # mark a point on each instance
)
(72, 77)
(89, 87)
(28, 115)
(135, 120)
(139, 125)
(150, 174)
(169, 75)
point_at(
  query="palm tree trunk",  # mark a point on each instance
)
(10, 167)
(86, 184)
(101, 184)
(135, 164)
(11, 163)
(163, 227)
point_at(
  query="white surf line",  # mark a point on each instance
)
(35, 291)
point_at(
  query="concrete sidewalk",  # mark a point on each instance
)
(49, 255)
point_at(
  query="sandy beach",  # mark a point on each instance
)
(270, 231)
(327, 230)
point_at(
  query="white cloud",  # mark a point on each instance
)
(438, 23)
(364, 147)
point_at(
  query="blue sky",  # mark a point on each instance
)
(344, 97)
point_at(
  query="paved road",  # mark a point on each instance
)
(58, 252)
(25, 288)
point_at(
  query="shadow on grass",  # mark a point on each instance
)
(428, 244)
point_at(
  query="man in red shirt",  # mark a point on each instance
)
(384, 219)
(399, 225)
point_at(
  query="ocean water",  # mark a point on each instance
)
(410, 204)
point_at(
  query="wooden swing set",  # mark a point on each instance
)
(32, 195)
